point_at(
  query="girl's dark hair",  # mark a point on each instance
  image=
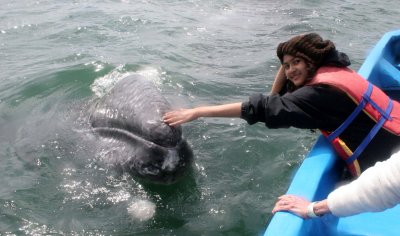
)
(315, 51)
(310, 47)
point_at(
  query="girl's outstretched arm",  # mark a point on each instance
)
(177, 117)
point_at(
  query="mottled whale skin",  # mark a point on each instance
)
(133, 136)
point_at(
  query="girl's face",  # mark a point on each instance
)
(296, 70)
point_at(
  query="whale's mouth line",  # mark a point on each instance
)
(112, 132)
(163, 173)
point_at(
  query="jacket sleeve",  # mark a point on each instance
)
(307, 107)
(377, 189)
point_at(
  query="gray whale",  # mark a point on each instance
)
(128, 121)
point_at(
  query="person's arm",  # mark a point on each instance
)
(177, 117)
(301, 109)
(377, 189)
(279, 81)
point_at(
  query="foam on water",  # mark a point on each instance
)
(104, 84)
(142, 210)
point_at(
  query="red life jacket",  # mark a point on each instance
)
(370, 99)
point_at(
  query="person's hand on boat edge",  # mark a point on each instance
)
(294, 204)
(300, 206)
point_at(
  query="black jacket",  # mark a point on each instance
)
(321, 107)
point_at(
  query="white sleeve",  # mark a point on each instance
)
(377, 189)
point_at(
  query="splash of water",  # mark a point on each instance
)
(142, 210)
(103, 85)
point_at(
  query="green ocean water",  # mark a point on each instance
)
(58, 57)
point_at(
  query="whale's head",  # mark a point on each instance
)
(130, 119)
(163, 165)
(153, 161)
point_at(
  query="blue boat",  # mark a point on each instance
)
(321, 169)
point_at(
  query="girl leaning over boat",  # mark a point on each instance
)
(315, 89)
